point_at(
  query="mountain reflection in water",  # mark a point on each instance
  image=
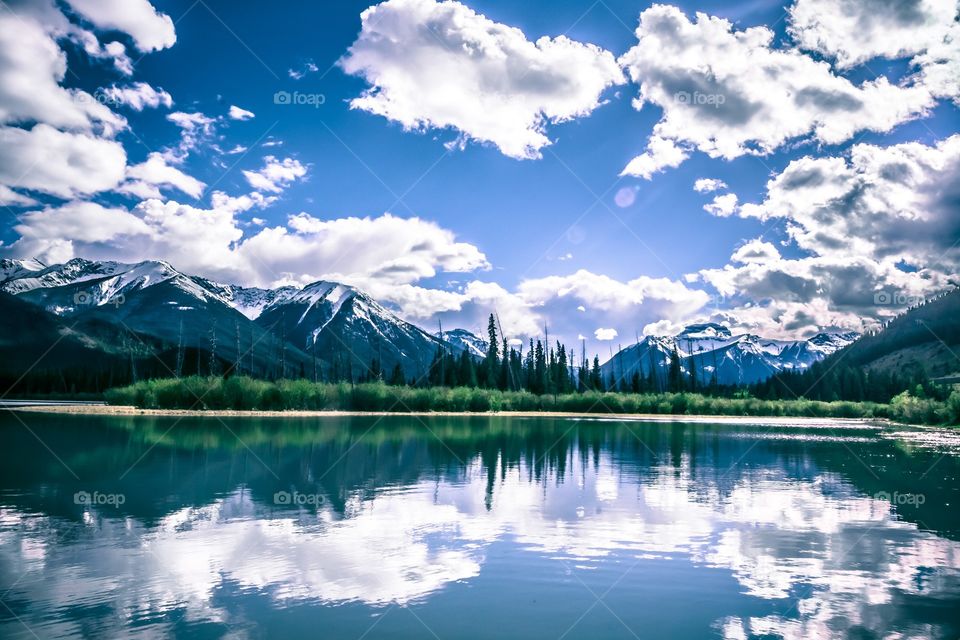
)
(484, 527)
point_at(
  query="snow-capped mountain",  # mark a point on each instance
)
(712, 350)
(339, 325)
(351, 329)
(464, 340)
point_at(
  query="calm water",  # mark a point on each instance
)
(475, 528)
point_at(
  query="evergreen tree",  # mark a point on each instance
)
(675, 373)
(491, 365)
(596, 377)
(397, 377)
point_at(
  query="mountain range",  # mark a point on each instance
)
(714, 354)
(278, 332)
(150, 317)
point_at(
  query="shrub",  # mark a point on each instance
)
(196, 392)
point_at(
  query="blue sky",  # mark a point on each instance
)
(640, 243)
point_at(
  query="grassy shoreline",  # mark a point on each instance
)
(247, 395)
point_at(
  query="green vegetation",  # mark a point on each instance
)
(244, 393)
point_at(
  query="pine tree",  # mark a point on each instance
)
(491, 367)
(675, 374)
(596, 377)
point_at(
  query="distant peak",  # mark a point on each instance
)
(705, 330)
(830, 337)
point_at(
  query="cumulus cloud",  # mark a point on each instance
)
(59, 163)
(605, 335)
(138, 96)
(144, 179)
(276, 174)
(706, 185)
(53, 234)
(236, 113)
(855, 31)
(149, 29)
(569, 304)
(661, 154)
(385, 250)
(32, 66)
(877, 220)
(728, 92)
(442, 65)
(888, 203)
(723, 205)
(10, 198)
(755, 251)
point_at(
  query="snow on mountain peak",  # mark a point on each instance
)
(467, 341)
(705, 330)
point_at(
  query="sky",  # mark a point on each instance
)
(609, 168)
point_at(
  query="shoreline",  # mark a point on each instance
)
(131, 411)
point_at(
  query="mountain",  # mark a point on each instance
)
(464, 340)
(920, 344)
(153, 302)
(350, 329)
(708, 348)
(924, 339)
(277, 331)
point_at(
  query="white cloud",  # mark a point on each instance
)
(661, 154)
(52, 234)
(886, 203)
(137, 96)
(31, 69)
(755, 251)
(728, 92)
(10, 198)
(386, 249)
(855, 31)
(276, 174)
(307, 68)
(723, 205)
(236, 113)
(150, 30)
(144, 179)
(706, 185)
(570, 304)
(605, 334)
(440, 65)
(858, 220)
(59, 163)
(195, 129)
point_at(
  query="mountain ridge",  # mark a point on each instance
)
(717, 356)
(340, 327)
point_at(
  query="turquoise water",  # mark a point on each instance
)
(475, 527)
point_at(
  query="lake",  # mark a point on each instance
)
(475, 527)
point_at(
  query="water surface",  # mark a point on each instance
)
(474, 527)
